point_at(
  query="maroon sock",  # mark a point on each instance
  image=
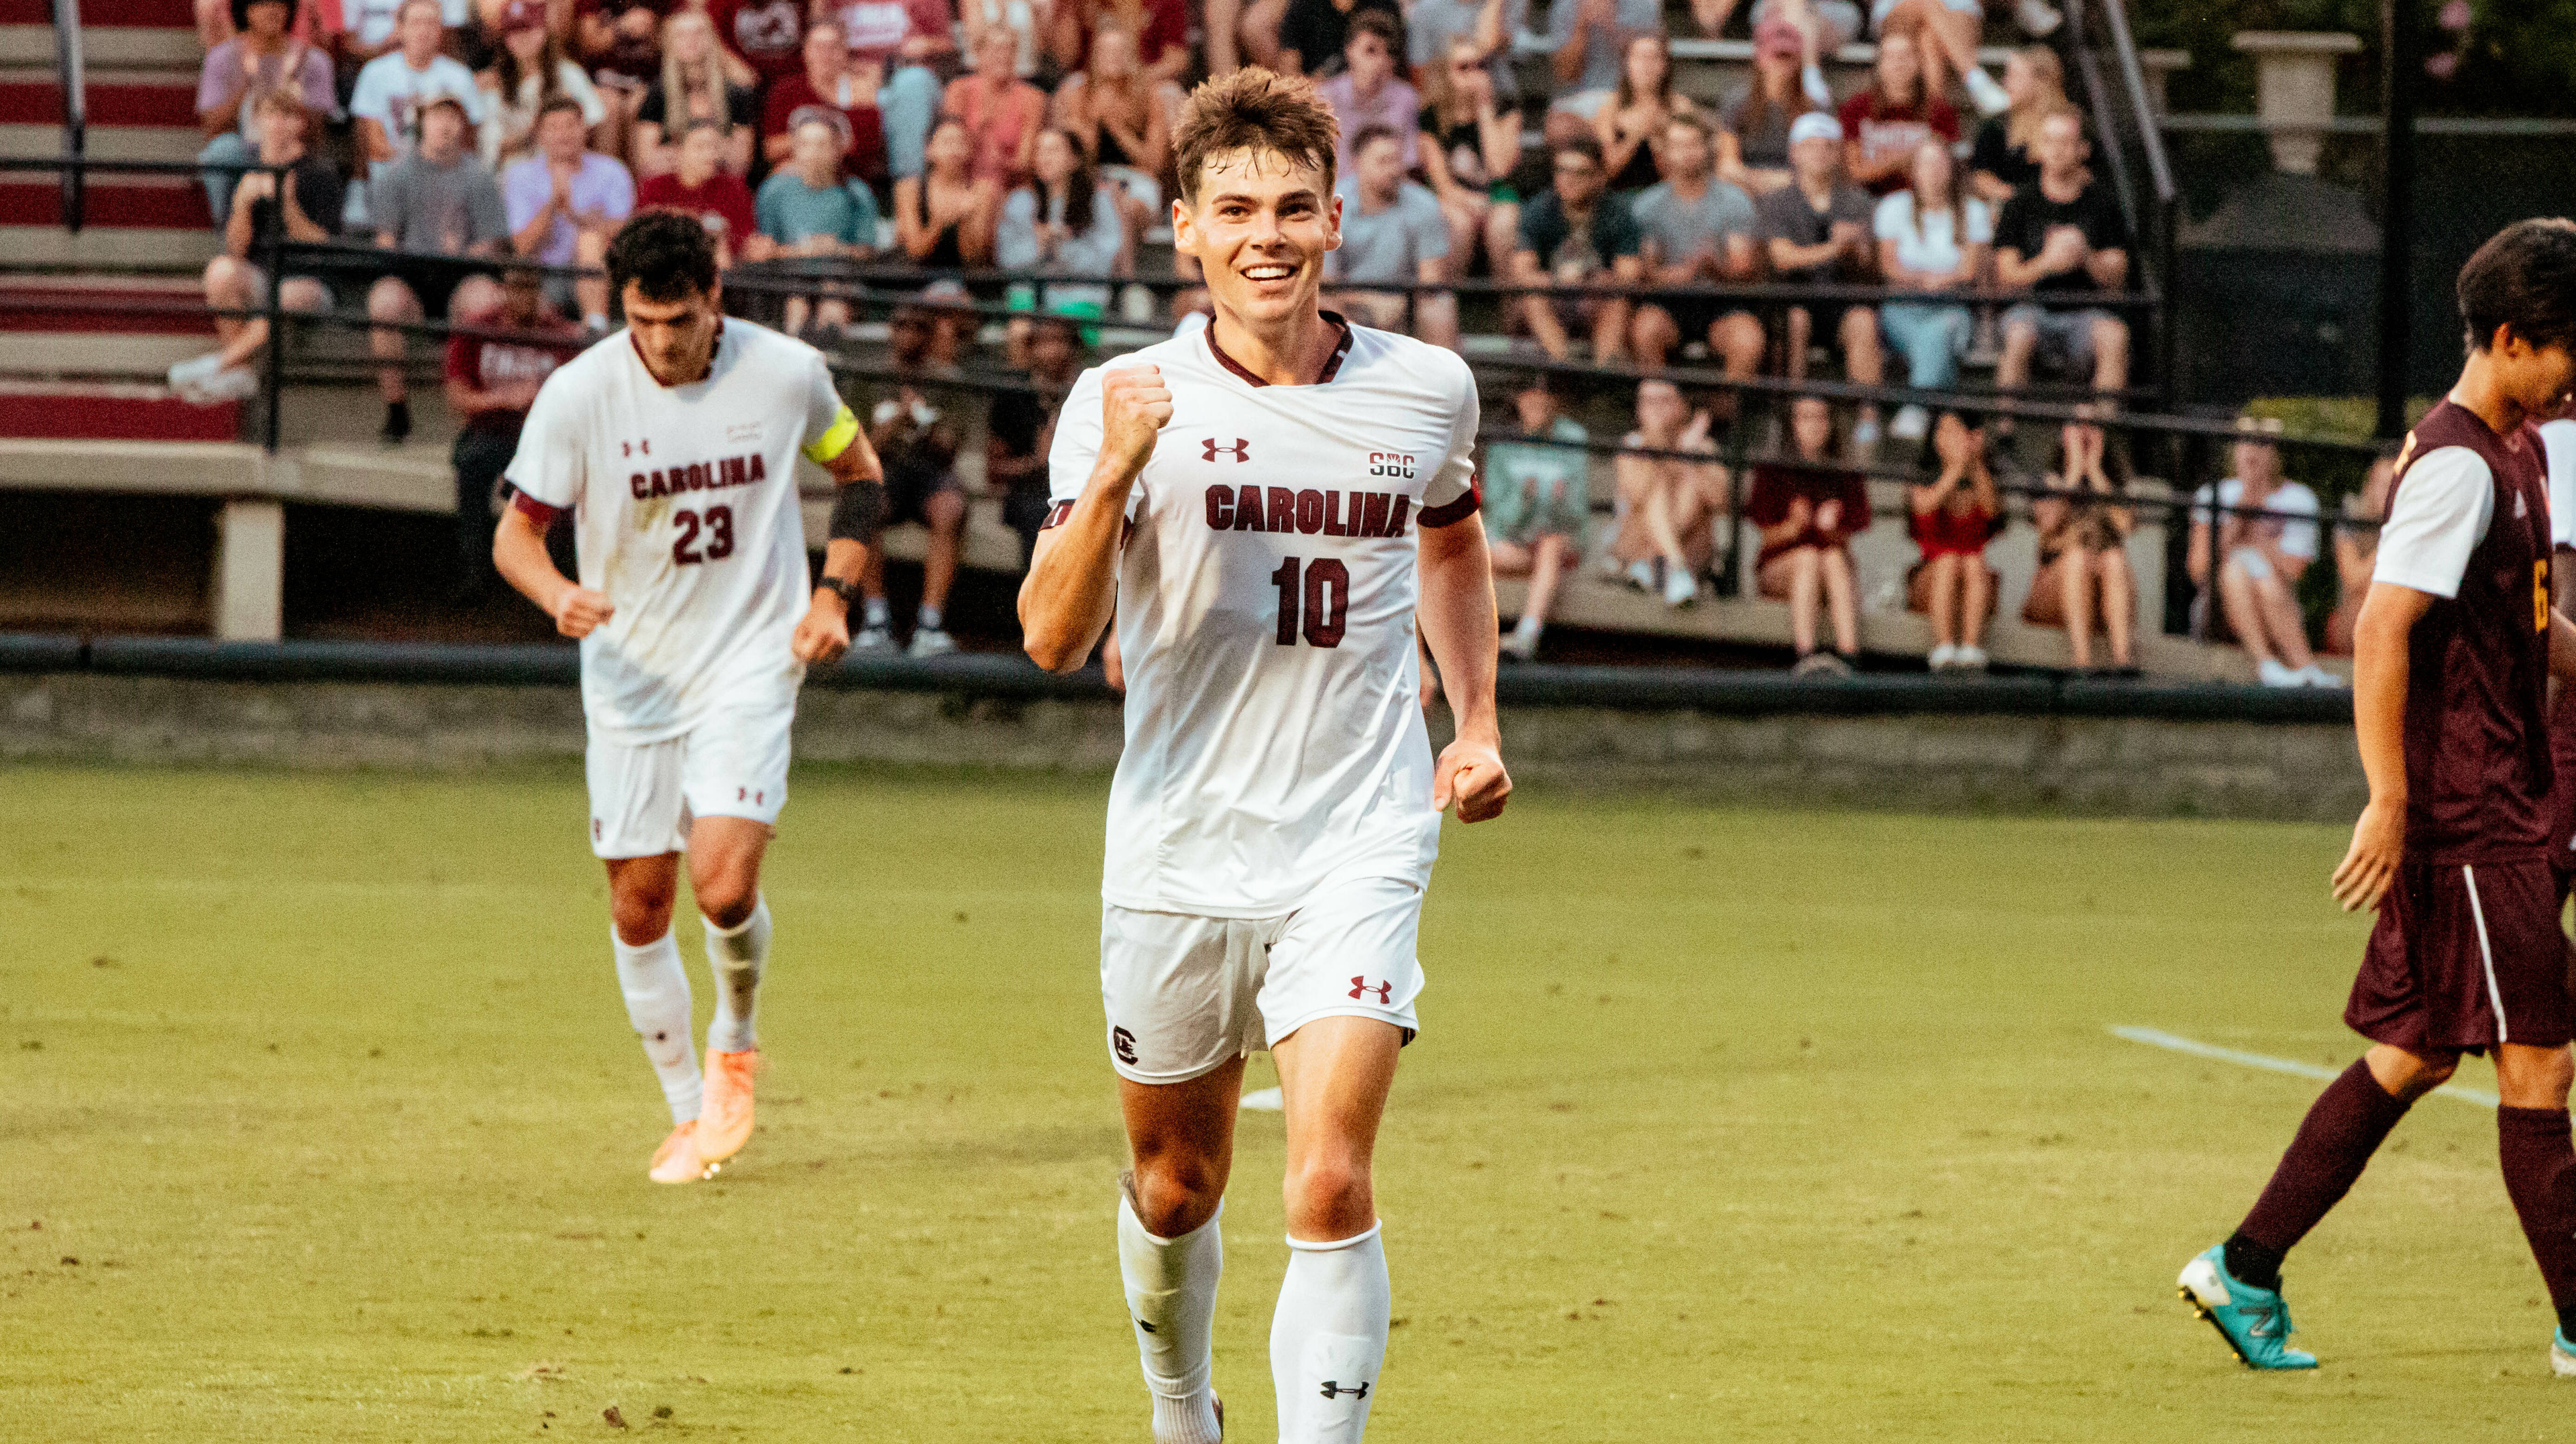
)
(2343, 1128)
(2540, 1173)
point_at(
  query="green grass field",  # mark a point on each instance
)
(1725, 1125)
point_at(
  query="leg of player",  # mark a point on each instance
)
(2237, 1285)
(1170, 1253)
(656, 985)
(724, 874)
(1328, 1338)
(2540, 1173)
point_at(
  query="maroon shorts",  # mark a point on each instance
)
(2465, 957)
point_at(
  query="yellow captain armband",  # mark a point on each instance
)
(835, 440)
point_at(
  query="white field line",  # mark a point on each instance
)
(2157, 1038)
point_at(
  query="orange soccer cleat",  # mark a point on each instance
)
(724, 1120)
(678, 1159)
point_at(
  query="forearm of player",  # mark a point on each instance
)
(1072, 586)
(2379, 682)
(1459, 622)
(519, 555)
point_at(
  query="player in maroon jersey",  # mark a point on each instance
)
(2452, 656)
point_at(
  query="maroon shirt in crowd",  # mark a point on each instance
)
(1776, 487)
(723, 202)
(488, 365)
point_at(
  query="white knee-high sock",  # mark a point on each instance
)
(737, 955)
(656, 984)
(1328, 1338)
(1171, 1301)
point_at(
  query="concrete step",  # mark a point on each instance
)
(172, 47)
(109, 411)
(172, 144)
(128, 248)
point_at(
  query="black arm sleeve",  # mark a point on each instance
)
(858, 511)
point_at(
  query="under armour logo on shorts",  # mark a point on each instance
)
(1360, 987)
(1240, 451)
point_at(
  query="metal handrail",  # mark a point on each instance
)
(2134, 77)
(70, 71)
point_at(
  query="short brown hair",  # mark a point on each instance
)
(1255, 110)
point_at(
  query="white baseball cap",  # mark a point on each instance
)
(1815, 125)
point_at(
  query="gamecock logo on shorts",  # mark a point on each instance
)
(1361, 987)
(1123, 1043)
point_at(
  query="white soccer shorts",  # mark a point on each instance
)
(643, 796)
(1185, 993)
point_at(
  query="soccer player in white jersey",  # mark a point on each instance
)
(674, 444)
(1267, 504)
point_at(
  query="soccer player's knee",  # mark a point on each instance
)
(1173, 1192)
(1329, 1198)
(727, 897)
(641, 911)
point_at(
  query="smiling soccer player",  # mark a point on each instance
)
(1267, 505)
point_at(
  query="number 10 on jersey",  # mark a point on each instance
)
(1317, 605)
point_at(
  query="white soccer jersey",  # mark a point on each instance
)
(1266, 600)
(687, 517)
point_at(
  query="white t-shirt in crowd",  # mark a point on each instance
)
(2558, 456)
(1936, 245)
(686, 516)
(372, 21)
(2438, 517)
(2297, 503)
(389, 92)
(1266, 598)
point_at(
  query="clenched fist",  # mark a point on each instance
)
(1135, 406)
(579, 611)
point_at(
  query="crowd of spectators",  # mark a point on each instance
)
(1035, 136)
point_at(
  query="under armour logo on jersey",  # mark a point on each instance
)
(1334, 1389)
(1123, 1043)
(1240, 451)
(1360, 987)
(629, 448)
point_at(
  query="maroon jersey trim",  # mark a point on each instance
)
(539, 512)
(1457, 511)
(1332, 363)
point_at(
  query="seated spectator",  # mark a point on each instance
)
(702, 187)
(1818, 232)
(1573, 234)
(1019, 431)
(1002, 112)
(944, 217)
(900, 40)
(918, 448)
(2356, 544)
(1753, 148)
(1808, 512)
(2001, 163)
(308, 210)
(1368, 95)
(829, 79)
(1538, 505)
(768, 34)
(439, 200)
(260, 58)
(1434, 29)
(1159, 28)
(1063, 222)
(564, 205)
(1697, 230)
(1392, 235)
(621, 43)
(1668, 507)
(394, 86)
(491, 383)
(1470, 148)
(528, 69)
(1827, 24)
(1314, 33)
(1588, 50)
(808, 207)
(1930, 239)
(2253, 536)
(692, 88)
(361, 31)
(1639, 107)
(1123, 121)
(1020, 19)
(1952, 517)
(2063, 239)
(1945, 32)
(2084, 583)
(1886, 124)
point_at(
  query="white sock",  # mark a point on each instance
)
(656, 984)
(1982, 90)
(930, 616)
(1328, 1338)
(737, 955)
(1171, 1300)
(596, 320)
(875, 612)
(1528, 627)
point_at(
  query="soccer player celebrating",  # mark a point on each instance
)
(1266, 505)
(674, 444)
(2453, 652)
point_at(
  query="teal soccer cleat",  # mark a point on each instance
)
(2253, 1321)
(2562, 1355)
